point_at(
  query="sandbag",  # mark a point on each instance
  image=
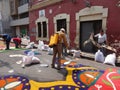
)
(50, 51)
(40, 44)
(28, 60)
(45, 48)
(99, 56)
(110, 59)
(76, 54)
(30, 45)
(35, 60)
(30, 53)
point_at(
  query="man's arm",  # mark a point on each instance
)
(65, 40)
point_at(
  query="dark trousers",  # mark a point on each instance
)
(7, 45)
(64, 51)
(16, 44)
(103, 50)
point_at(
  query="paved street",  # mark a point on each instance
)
(8, 66)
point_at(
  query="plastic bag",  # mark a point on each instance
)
(30, 53)
(99, 56)
(30, 45)
(76, 54)
(110, 59)
(50, 51)
(27, 60)
(45, 48)
(40, 45)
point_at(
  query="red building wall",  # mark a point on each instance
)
(66, 6)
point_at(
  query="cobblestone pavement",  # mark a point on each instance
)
(8, 66)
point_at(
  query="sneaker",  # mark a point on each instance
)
(7, 49)
(52, 66)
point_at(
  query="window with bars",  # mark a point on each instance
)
(42, 29)
(12, 7)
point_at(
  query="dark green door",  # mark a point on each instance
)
(86, 28)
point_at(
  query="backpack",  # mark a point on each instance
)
(53, 40)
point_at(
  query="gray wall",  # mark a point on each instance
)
(5, 13)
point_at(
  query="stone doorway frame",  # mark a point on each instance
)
(90, 14)
(62, 16)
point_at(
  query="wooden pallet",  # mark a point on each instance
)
(87, 55)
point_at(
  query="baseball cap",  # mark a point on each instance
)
(62, 29)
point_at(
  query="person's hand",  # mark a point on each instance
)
(68, 47)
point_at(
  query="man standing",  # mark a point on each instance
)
(57, 49)
(102, 37)
(102, 40)
(64, 51)
(7, 40)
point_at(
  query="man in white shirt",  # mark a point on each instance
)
(102, 40)
(102, 37)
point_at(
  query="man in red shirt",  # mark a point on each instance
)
(17, 41)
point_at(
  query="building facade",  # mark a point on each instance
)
(19, 17)
(5, 17)
(79, 18)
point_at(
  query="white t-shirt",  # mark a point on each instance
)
(101, 38)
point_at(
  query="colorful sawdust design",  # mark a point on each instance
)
(79, 77)
(110, 80)
(14, 82)
(3, 46)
